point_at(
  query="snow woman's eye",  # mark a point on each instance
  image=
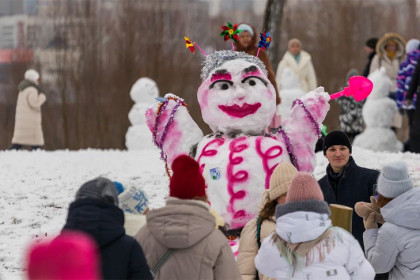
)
(221, 85)
(254, 81)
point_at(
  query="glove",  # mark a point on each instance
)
(369, 222)
(364, 209)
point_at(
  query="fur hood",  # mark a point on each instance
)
(380, 47)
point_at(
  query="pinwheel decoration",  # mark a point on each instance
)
(230, 32)
(264, 42)
(189, 44)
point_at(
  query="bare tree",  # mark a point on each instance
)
(273, 23)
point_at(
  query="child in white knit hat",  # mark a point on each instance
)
(135, 204)
(395, 247)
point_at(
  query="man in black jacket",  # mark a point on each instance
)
(370, 48)
(345, 182)
(96, 213)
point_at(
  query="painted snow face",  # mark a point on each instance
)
(237, 97)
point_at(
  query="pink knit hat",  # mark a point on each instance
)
(71, 255)
(304, 187)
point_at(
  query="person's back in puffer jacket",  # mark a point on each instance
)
(96, 213)
(305, 246)
(186, 225)
(395, 247)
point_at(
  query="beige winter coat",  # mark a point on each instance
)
(381, 58)
(28, 123)
(201, 251)
(248, 248)
(133, 223)
(304, 70)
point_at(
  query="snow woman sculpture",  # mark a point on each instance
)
(238, 102)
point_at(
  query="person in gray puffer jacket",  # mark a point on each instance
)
(395, 247)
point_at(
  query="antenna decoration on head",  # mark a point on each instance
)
(230, 32)
(264, 42)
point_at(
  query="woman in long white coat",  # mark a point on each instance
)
(28, 121)
(300, 62)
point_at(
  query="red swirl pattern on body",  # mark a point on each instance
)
(236, 146)
(271, 153)
(206, 152)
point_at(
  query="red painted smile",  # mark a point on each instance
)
(237, 111)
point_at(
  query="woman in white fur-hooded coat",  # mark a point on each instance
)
(300, 62)
(28, 121)
(305, 245)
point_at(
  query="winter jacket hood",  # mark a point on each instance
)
(380, 46)
(404, 210)
(302, 226)
(103, 221)
(182, 223)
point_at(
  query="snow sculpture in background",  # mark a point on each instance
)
(289, 92)
(237, 101)
(143, 93)
(378, 113)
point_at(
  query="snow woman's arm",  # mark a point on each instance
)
(173, 129)
(302, 127)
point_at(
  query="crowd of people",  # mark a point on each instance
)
(292, 236)
(110, 233)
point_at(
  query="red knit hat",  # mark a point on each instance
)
(304, 187)
(71, 255)
(187, 181)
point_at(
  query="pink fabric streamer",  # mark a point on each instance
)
(258, 52)
(233, 46)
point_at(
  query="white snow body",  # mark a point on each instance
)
(237, 171)
(378, 113)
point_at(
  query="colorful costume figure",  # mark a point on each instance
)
(238, 103)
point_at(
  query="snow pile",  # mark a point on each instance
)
(378, 113)
(143, 93)
(37, 188)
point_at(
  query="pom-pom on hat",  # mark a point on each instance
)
(32, 75)
(280, 180)
(187, 181)
(336, 138)
(133, 200)
(394, 180)
(71, 255)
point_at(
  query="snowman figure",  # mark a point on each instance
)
(378, 113)
(289, 92)
(237, 101)
(143, 93)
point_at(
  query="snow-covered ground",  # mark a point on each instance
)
(37, 187)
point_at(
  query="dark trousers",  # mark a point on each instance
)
(19, 147)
